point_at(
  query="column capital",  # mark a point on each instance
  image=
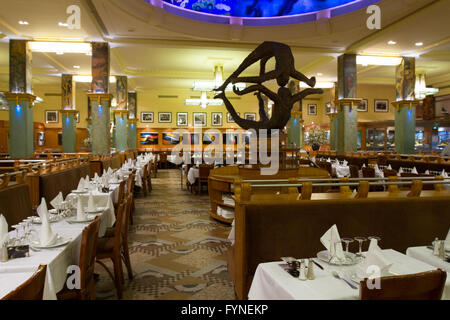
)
(100, 96)
(20, 96)
(296, 114)
(134, 120)
(121, 112)
(68, 111)
(347, 101)
(332, 115)
(405, 103)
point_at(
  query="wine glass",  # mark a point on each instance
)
(378, 239)
(347, 241)
(360, 241)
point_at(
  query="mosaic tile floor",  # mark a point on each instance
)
(177, 251)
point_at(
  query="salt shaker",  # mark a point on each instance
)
(310, 274)
(442, 250)
(436, 247)
(302, 275)
(4, 253)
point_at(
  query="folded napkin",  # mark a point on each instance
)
(81, 216)
(87, 184)
(104, 173)
(81, 185)
(414, 170)
(91, 205)
(345, 163)
(444, 174)
(110, 170)
(400, 171)
(336, 162)
(47, 237)
(329, 160)
(389, 167)
(56, 203)
(364, 165)
(329, 239)
(374, 257)
(447, 241)
(3, 230)
(427, 171)
(96, 177)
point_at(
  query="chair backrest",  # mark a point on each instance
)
(354, 171)
(325, 165)
(389, 173)
(420, 286)
(149, 169)
(145, 172)
(130, 183)
(87, 255)
(126, 218)
(203, 170)
(163, 157)
(121, 214)
(32, 289)
(121, 191)
(368, 172)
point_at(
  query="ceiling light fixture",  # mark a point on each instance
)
(61, 47)
(62, 24)
(76, 67)
(23, 22)
(87, 79)
(320, 84)
(392, 42)
(203, 101)
(420, 89)
(419, 44)
(378, 60)
(319, 74)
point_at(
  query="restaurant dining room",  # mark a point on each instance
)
(215, 152)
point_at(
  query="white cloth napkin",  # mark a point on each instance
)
(444, 174)
(447, 241)
(81, 185)
(345, 163)
(336, 162)
(329, 160)
(110, 170)
(364, 165)
(329, 239)
(96, 177)
(3, 230)
(400, 171)
(47, 237)
(389, 167)
(81, 216)
(374, 258)
(427, 171)
(56, 203)
(414, 171)
(91, 205)
(87, 184)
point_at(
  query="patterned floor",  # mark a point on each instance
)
(177, 251)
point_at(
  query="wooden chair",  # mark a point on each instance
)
(420, 286)
(121, 194)
(368, 172)
(163, 160)
(149, 177)
(86, 264)
(389, 173)
(203, 174)
(326, 165)
(144, 181)
(125, 228)
(32, 289)
(354, 171)
(130, 191)
(110, 248)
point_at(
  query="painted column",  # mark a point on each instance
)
(68, 114)
(333, 131)
(100, 100)
(132, 133)
(121, 120)
(20, 100)
(347, 116)
(405, 106)
(295, 130)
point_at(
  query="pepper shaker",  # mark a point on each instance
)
(442, 250)
(4, 253)
(436, 247)
(302, 275)
(310, 274)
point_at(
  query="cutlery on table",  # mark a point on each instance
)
(336, 275)
(317, 264)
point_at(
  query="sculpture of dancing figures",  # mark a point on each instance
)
(283, 99)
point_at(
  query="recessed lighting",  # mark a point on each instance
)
(62, 24)
(76, 67)
(59, 53)
(419, 44)
(23, 22)
(319, 74)
(392, 42)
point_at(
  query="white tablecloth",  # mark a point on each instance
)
(340, 171)
(57, 259)
(271, 282)
(193, 174)
(426, 255)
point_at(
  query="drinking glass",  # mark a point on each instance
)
(374, 238)
(347, 241)
(360, 241)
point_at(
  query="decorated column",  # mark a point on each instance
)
(20, 100)
(333, 131)
(295, 124)
(68, 114)
(405, 106)
(121, 114)
(100, 100)
(347, 116)
(132, 120)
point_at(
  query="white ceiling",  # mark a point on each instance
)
(159, 50)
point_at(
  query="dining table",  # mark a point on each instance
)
(272, 282)
(425, 254)
(58, 259)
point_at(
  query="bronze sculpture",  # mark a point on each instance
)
(283, 99)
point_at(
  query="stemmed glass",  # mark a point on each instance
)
(360, 241)
(374, 238)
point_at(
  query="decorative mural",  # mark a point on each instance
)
(20, 67)
(67, 96)
(132, 105)
(257, 8)
(405, 79)
(121, 92)
(100, 67)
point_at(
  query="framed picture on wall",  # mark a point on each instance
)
(362, 107)
(41, 139)
(77, 116)
(164, 117)
(149, 138)
(199, 119)
(216, 118)
(230, 118)
(328, 107)
(381, 105)
(312, 109)
(147, 117)
(250, 116)
(182, 119)
(51, 116)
